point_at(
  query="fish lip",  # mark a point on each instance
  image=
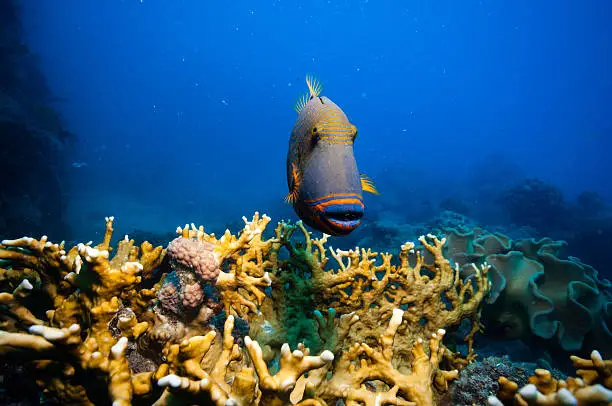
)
(343, 222)
(348, 225)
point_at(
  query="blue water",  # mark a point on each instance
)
(183, 109)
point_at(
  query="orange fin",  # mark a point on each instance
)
(314, 86)
(291, 197)
(293, 194)
(367, 185)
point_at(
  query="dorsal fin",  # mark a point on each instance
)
(299, 105)
(314, 86)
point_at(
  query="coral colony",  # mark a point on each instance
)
(248, 320)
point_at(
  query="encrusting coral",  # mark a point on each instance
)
(150, 325)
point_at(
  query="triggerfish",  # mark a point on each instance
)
(325, 187)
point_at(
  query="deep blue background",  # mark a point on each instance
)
(184, 108)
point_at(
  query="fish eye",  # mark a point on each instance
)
(315, 137)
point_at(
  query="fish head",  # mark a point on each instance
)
(330, 190)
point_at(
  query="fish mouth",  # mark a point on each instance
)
(342, 222)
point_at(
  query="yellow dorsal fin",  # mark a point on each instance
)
(299, 105)
(314, 86)
(367, 185)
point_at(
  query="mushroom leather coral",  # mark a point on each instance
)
(562, 300)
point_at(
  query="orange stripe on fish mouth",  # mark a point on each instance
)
(330, 196)
(340, 214)
(337, 202)
(346, 228)
(323, 225)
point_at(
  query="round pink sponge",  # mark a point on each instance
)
(193, 296)
(169, 298)
(196, 256)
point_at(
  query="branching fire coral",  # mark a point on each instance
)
(433, 295)
(142, 326)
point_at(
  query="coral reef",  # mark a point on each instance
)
(206, 320)
(479, 380)
(537, 293)
(389, 232)
(535, 203)
(454, 204)
(585, 222)
(593, 386)
(590, 204)
(591, 241)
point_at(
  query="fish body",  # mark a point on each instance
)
(325, 186)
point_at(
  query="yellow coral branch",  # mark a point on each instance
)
(187, 358)
(120, 386)
(292, 366)
(12, 301)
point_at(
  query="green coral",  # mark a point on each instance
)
(297, 310)
(293, 288)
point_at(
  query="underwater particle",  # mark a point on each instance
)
(224, 102)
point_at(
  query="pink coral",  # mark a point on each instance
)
(193, 295)
(196, 256)
(169, 298)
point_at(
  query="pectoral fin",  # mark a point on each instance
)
(294, 186)
(367, 185)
